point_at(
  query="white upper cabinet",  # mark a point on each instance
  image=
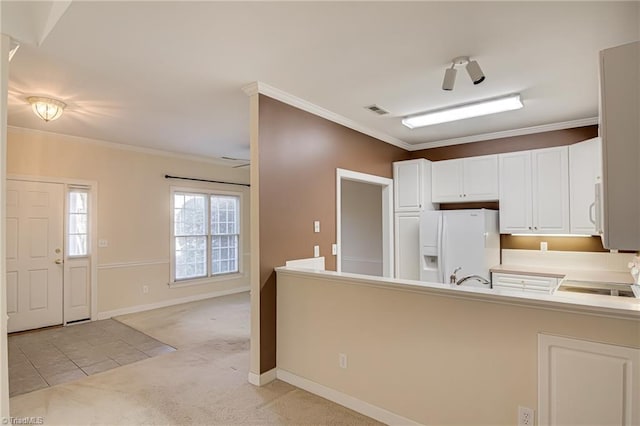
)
(534, 191)
(515, 193)
(620, 132)
(585, 170)
(412, 185)
(465, 179)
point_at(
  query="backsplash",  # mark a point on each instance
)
(568, 260)
(532, 242)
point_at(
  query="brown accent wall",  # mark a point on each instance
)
(512, 144)
(299, 153)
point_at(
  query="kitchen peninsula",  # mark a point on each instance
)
(492, 336)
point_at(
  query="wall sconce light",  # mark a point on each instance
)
(46, 108)
(473, 69)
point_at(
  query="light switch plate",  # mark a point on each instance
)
(334, 249)
(103, 243)
(316, 226)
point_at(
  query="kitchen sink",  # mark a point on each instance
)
(604, 289)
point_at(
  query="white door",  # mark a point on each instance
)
(585, 169)
(34, 254)
(481, 178)
(408, 246)
(550, 187)
(407, 180)
(447, 181)
(515, 193)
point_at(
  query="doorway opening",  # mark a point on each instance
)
(364, 224)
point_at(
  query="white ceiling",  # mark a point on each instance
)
(168, 75)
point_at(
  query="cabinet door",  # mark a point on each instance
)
(407, 183)
(585, 164)
(480, 179)
(407, 253)
(620, 108)
(550, 187)
(515, 193)
(446, 181)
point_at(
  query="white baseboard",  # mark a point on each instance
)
(262, 379)
(165, 303)
(345, 400)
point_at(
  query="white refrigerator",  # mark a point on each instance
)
(465, 239)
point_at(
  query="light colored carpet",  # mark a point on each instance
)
(204, 382)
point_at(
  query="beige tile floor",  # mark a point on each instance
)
(204, 382)
(43, 358)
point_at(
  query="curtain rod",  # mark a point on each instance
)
(205, 180)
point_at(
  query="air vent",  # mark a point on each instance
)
(377, 110)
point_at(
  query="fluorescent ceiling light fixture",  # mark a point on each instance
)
(460, 112)
(46, 108)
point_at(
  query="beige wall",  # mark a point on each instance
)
(133, 209)
(434, 359)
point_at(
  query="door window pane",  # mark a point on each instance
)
(78, 223)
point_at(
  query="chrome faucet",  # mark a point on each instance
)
(453, 278)
(473, 277)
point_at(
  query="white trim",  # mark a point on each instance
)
(164, 304)
(387, 216)
(507, 133)
(133, 264)
(134, 148)
(282, 96)
(262, 379)
(355, 404)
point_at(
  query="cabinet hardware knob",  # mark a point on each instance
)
(535, 227)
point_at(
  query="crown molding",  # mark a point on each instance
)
(507, 133)
(125, 147)
(282, 96)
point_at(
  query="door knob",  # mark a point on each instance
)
(59, 262)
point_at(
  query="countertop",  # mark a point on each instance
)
(596, 276)
(618, 307)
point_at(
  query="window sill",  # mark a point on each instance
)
(207, 280)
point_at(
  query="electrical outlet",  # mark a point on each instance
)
(342, 360)
(543, 246)
(316, 226)
(145, 289)
(525, 416)
(316, 251)
(334, 249)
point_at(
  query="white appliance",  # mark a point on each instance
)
(465, 239)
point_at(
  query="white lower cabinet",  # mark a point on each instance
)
(529, 283)
(407, 254)
(587, 383)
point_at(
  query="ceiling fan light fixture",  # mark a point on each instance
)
(460, 112)
(47, 109)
